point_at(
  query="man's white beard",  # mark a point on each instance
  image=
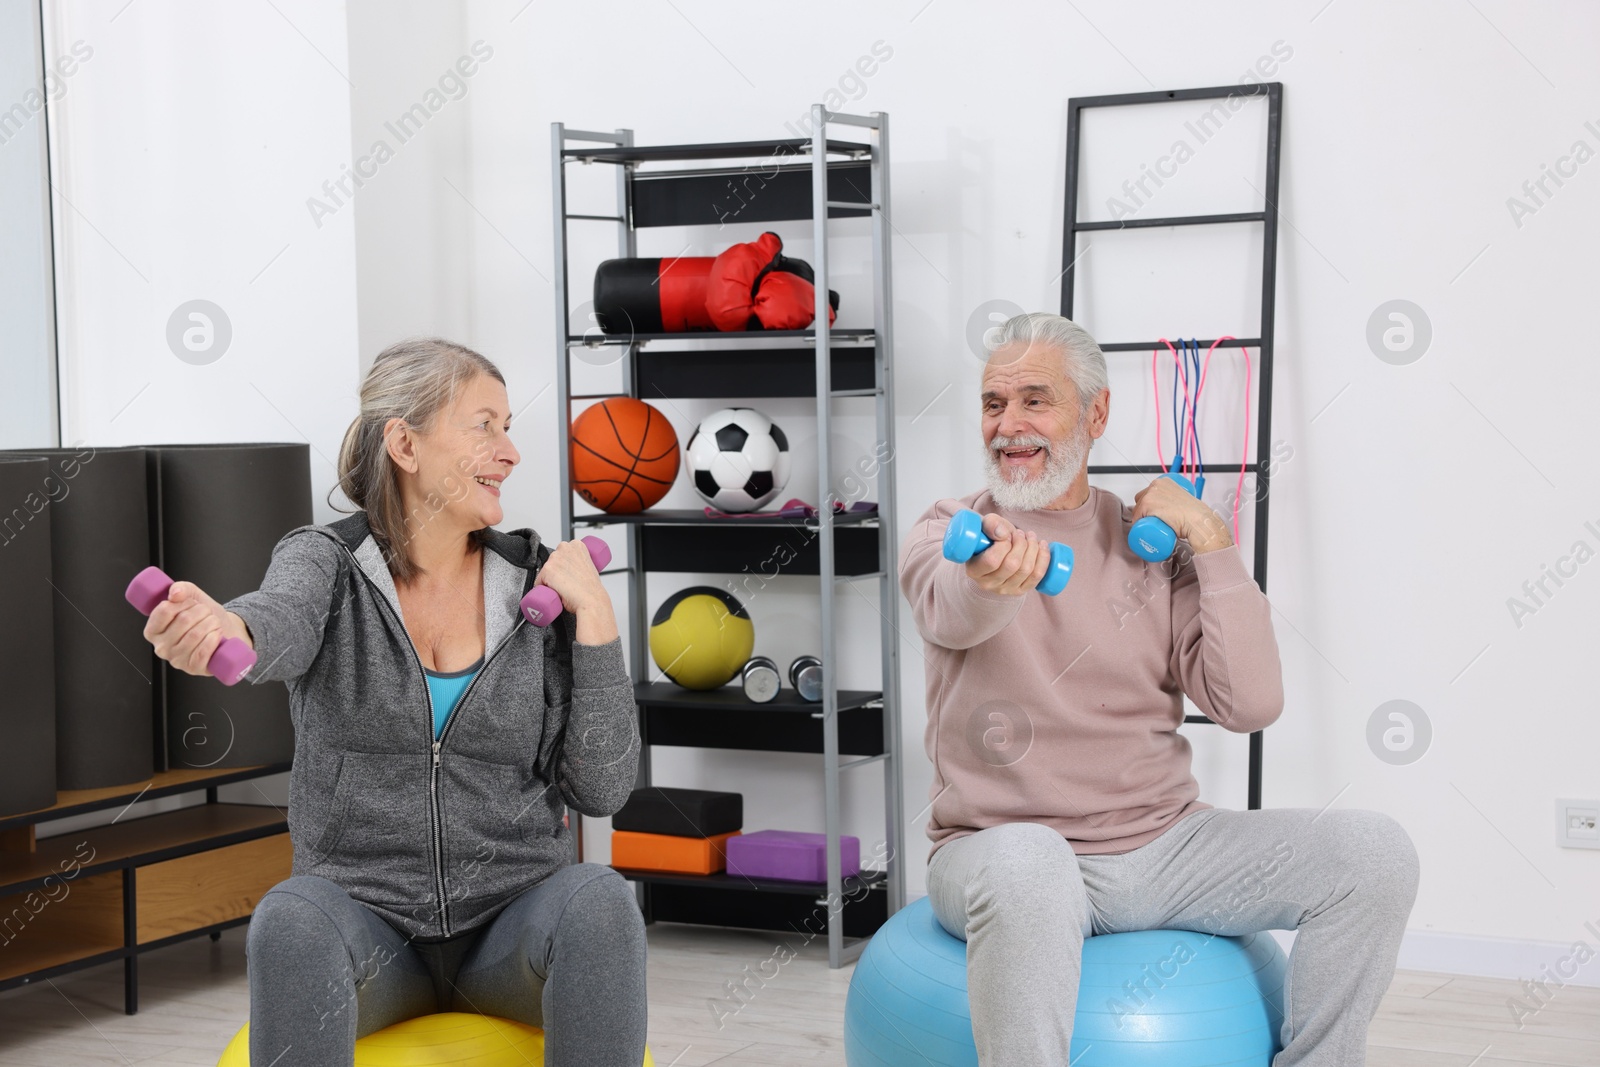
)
(1015, 490)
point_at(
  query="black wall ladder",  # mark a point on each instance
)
(1268, 217)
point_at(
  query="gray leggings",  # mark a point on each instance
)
(567, 955)
(1023, 902)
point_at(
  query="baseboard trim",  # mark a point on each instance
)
(1504, 957)
(1472, 956)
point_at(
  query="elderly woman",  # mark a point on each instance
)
(439, 739)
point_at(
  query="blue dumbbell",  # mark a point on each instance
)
(1152, 539)
(964, 538)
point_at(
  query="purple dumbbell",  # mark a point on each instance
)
(543, 604)
(233, 658)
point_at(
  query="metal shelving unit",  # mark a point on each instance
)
(1262, 342)
(811, 179)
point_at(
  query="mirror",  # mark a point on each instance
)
(29, 411)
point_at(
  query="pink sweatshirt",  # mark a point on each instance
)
(1065, 710)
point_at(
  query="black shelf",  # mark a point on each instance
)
(731, 697)
(725, 718)
(765, 191)
(754, 193)
(716, 150)
(847, 336)
(757, 550)
(139, 842)
(686, 541)
(718, 373)
(697, 517)
(694, 899)
(162, 784)
(850, 884)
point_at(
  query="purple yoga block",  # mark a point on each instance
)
(790, 855)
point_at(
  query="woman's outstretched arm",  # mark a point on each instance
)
(285, 619)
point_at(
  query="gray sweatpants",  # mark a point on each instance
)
(567, 955)
(1024, 902)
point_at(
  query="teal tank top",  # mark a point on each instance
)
(446, 690)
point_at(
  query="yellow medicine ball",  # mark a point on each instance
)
(453, 1038)
(701, 636)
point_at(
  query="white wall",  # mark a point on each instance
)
(414, 233)
(1417, 500)
(1400, 148)
(184, 151)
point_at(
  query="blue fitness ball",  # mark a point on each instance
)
(1172, 998)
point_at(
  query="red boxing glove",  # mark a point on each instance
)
(730, 288)
(787, 302)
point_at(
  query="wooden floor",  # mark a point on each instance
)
(194, 997)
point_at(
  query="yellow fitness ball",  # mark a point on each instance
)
(701, 636)
(459, 1039)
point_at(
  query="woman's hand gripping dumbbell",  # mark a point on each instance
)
(542, 604)
(183, 623)
(1004, 559)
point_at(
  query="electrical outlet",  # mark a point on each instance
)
(1578, 823)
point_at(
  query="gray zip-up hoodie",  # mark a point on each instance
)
(436, 836)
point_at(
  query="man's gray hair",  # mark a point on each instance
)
(1081, 359)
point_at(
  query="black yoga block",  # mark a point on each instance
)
(680, 812)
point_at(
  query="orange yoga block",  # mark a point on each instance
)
(666, 852)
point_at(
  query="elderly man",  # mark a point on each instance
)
(1063, 800)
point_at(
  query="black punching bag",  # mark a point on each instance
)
(27, 679)
(220, 509)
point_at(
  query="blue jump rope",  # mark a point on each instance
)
(1150, 538)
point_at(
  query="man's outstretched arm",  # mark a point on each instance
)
(958, 605)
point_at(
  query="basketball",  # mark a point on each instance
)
(624, 455)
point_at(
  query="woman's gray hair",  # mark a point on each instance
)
(415, 380)
(1081, 359)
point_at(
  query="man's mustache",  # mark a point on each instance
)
(998, 443)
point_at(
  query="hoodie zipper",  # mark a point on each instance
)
(433, 781)
(436, 815)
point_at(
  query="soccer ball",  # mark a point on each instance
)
(738, 459)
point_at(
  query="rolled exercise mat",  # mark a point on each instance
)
(680, 812)
(220, 510)
(28, 707)
(105, 670)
